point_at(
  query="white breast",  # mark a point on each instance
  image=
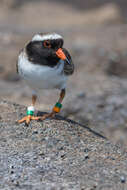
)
(41, 77)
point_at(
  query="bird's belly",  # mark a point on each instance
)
(42, 77)
(45, 80)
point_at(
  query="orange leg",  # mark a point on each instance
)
(55, 109)
(34, 98)
(28, 118)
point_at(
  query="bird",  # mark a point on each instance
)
(45, 64)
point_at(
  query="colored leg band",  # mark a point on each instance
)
(30, 110)
(57, 107)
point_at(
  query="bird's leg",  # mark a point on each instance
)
(34, 98)
(30, 112)
(56, 108)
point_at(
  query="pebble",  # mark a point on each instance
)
(86, 156)
(122, 179)
(35, 131)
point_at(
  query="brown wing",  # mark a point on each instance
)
(68, 67)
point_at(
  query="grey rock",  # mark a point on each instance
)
(70, 156)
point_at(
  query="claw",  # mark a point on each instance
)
(27, 119)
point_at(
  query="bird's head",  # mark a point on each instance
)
(46, 49)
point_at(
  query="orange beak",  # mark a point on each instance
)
(60, 54)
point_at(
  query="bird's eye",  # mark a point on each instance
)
(47, 44)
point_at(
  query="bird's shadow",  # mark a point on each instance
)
(58, 117)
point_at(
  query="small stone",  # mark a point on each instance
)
(86, 150)
(61, 148)
(41, 153)
(86, 156)
(35, 157)
(17, 184)
(63, 156)
(122, 179)
(11, 167)
(35, 131)
(12, 172)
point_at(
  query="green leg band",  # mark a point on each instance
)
(30, 112)
(58, 105)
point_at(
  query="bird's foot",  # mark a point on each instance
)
(27, 119)
(30, 116)
(55, 110)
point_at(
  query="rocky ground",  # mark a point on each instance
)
(56, 154)
(96, 38)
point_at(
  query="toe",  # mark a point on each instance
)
(28, 118)
(22, 120)
(49, 115)
(36, 118)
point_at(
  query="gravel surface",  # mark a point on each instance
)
(56, 154)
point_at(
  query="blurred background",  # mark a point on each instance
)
(95, 33)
